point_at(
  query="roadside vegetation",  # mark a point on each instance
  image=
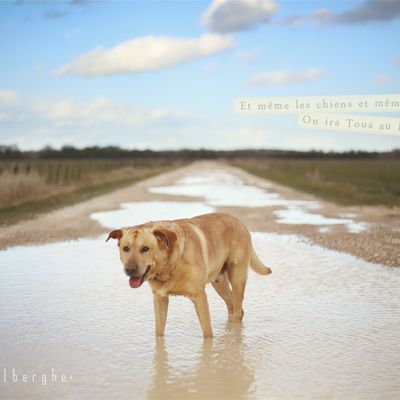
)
(33, 182)
(22, 180)
(357, 181)
(29, 186)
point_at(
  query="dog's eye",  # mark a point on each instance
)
(144, 249)
(126, 248)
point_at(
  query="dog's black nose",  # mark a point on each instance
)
(132, 270)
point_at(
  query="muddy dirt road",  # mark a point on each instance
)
(372, 233)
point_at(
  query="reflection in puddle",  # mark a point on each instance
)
(220, 369)
(296, 215)
(323, 325)
(131, 214)
(220, 188)
(220, 194)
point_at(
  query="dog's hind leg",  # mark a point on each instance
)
(237, 272)
(221, 285)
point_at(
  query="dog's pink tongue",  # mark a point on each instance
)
(135, 282)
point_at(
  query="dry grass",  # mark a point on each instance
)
(22, 187)
(22, 182)
(30, 188)
(17, 188)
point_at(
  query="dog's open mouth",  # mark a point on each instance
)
(136, 281)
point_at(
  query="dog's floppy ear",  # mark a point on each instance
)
(165, 236)
(116, 234)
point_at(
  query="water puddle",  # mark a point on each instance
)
(220, 188)
(324, 229)
(295, 215)
(323, 325)
(223, 194)
(131, 214)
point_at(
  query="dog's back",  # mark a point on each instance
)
(221, 228)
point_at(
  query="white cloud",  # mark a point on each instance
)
(97, 121)
(249, 56)
(99, 111)
(65, 112)
(146, 54)
(298, 21)
(322, 14)
(369, 11)
(279, 78)
(8, 98)
(236, 15)
(361, 13)
(33, 123)
(317, 16)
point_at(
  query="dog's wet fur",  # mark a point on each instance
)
(180, 257)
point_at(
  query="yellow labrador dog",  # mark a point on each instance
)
(180, 257)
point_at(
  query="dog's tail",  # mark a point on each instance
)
(257, 265)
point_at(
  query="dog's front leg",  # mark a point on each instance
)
(160, 311)
(203, 313)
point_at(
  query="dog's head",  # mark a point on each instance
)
(144, 251)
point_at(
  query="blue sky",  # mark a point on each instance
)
(165, 74)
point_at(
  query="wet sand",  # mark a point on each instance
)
(379, 242)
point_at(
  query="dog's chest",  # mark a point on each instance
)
(172, 288)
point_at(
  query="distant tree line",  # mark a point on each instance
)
(12, 152)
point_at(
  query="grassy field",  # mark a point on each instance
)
(343, 181)
(32, 187)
